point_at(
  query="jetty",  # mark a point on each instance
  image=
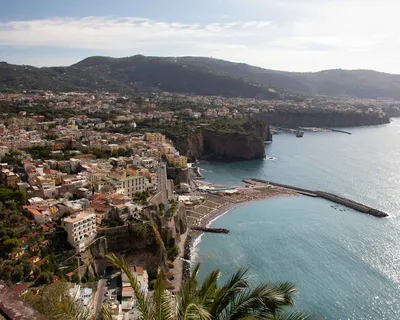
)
(212, 230)
(341, 131)
(325, 195)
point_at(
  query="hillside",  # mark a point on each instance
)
(197, 75)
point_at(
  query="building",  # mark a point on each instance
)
(154, 137)
(142, 279)
(9, 179)
(81, 228)
(176, 160)
(132, 184)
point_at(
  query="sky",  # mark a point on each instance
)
(290, 35)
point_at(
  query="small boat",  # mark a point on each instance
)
(299, 134)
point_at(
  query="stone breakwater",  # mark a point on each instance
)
(186, 257)
(328, 196)
(212, 230)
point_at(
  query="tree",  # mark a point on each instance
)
(55, 303)
(17, 274)
(11, 244)
(233, 300)
(45, 277)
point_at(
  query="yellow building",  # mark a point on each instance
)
(9, 178)
(176, 160)
(155, 137)
(165, 149)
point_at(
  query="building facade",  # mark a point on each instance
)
(154, 137)
(81, 227)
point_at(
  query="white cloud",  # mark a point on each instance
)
(102, 33)
(291, 35)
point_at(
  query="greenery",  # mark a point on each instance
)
(172, 253)
(9, 196)
(142, 230)
(54, 303)
(235, 299)
(11, 244)
(149, 72)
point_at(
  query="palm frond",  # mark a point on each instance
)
(162, 299)
(226, 294)
(144, 304)
(209, 287)
(106, 312)
(297, 315)
(72, 310)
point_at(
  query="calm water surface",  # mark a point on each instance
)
(345, 264)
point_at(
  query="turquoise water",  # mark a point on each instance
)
(345, 264)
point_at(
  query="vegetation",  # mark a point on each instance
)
(55, 303)
(235, 299)
(11, 198)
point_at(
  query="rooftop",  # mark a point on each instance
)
(77, 217)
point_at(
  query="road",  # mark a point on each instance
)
(101, 290)
(162, 182)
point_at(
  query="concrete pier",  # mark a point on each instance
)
(328, 196)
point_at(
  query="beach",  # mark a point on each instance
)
(213, 207)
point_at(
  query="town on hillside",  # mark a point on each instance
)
(84, 174)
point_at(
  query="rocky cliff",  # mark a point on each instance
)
(191, 146)
(140, 244)
(232, 146)
(322, 119)
(211, 143)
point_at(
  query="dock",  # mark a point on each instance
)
(341, 131)
(325, 195)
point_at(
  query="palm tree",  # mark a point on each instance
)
(233, 300)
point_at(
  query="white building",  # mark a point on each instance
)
(81, 228)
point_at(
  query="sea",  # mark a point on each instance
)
(345, 264)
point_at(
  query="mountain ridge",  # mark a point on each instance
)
(197, 75)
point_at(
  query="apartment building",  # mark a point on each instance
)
(81, 228)
(176, 160)
(132, 184)
(154, 137)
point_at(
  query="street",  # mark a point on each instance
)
(101, 289)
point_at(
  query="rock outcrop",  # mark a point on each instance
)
(226, 145)
(232, 146)
(190, 146)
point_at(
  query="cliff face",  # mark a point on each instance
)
(191, 146)
(138, 243)
(217, 145)
(232, 146)
(294, 120)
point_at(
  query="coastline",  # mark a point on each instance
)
(211, 209)
(223, 210)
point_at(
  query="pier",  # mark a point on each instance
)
(325, 195)
(338, 130)
(212, 230)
